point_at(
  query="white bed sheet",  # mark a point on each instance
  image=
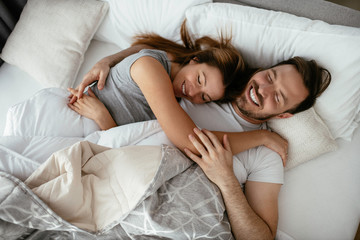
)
(319, 200)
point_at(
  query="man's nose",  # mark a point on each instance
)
(266, 89)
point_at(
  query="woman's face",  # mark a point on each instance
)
(199, 83)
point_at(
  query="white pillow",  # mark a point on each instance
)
(51, 37)
(128, 18)
(268, 37)
(47, 114)
(307, 135)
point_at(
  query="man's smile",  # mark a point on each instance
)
(253, 96)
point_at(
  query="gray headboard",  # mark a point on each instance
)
(314, 9)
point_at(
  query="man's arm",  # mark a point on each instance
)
(100, 70)
(253, 215)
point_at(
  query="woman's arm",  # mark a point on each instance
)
(156, 85)
(241, 141)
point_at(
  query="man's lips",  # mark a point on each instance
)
(253, 97)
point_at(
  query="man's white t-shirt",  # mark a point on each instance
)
(258, 164)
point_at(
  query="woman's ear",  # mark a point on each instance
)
(194, 60)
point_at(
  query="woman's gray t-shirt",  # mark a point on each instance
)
(122, 96)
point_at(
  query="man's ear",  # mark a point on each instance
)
(284, 115)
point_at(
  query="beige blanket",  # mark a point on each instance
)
(91, 186)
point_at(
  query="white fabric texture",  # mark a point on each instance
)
(307, 135)
(47, 114)
(267, 37)
(129, 18)
(51, 37)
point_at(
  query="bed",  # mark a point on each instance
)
(320, 197)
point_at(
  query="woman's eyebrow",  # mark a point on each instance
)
(205, 81)
(204, 78)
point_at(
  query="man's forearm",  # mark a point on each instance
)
(112, 60)
(245, 223)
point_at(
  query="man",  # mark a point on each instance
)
(278, 92)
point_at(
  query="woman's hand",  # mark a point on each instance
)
(278, 144)
(98, 72)
(91, 107)
(216, 160)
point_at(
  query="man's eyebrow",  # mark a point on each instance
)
(281, 93)
(274, 72)
(284, 97)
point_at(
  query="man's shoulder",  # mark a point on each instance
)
(262, 164)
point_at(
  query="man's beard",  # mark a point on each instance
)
(241, 103)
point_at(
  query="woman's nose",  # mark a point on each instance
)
(196, 95)
(194, 91)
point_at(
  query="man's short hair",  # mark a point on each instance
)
(316, 80)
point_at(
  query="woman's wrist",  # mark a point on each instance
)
(104, 120)
(265, 136)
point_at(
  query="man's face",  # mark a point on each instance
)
(270, 93)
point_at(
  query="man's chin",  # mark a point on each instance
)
(254, 117)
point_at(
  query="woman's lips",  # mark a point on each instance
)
(183, 89)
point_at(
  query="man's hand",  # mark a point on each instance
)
(216, 160)
(101, 69)
(98, 72)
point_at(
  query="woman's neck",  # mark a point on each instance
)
(174, 67)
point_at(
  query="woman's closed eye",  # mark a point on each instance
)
(206, 98)
(203, 97)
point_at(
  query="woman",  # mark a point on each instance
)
(200, 71)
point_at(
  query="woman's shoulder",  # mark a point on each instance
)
(150, 55)
(155, 52)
